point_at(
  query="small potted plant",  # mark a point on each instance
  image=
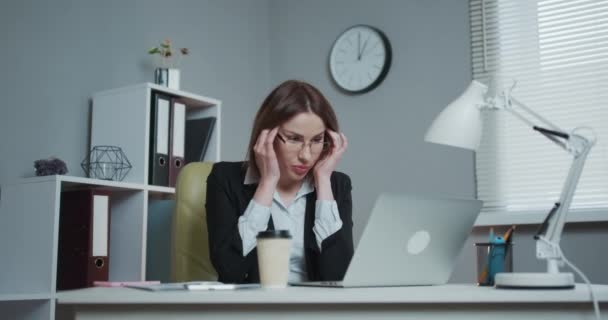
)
(167, 74)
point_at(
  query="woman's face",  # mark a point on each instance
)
(299, 144)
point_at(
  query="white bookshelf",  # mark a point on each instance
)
(24, 297)
(121, 117)
(30, 207)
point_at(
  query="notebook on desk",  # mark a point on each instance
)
(192, 286)
(409, 240)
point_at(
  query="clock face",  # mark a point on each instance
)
(360, 59)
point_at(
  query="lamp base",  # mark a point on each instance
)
(540, 280)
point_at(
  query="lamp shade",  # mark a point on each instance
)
(459, 124)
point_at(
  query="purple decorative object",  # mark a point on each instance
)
(50, 166)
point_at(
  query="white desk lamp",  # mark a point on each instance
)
(459, 125)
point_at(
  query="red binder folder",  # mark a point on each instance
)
(158, 171)
(84, 238)
(178, 132)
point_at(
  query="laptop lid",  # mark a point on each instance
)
(411, 240)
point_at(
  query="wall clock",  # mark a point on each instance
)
(360, 59)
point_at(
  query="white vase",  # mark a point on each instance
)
(173, 80)
(168, 77)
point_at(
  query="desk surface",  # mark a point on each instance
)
(449, 294)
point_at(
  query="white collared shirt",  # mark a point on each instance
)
(256, 217)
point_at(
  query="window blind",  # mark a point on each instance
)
(557, 52)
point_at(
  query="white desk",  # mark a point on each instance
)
(434, 302)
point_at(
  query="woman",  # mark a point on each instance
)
(288, 183)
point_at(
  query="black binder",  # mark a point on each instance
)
(158, 171)
(198, 135)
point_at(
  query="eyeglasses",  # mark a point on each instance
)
(296, 143)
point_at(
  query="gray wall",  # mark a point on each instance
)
(58, 53)
(431, 66)
(385, 127)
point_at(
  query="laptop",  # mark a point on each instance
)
(409, 240)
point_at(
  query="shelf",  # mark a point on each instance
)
(25, 296)
(190, 99)
(160, 190)
(73, 181)
(30, 208)
(122, 117)
(505, 218)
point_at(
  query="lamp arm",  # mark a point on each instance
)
(521, 105)
(577, 145)
(547, 246)
(552, 134)
(549, 134)
(556, 224)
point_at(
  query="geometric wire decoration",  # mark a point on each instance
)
(106, 163)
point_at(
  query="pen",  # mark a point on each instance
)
(508, 234)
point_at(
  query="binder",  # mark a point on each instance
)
(158, 171)
(176, 157)
(84, 238)
(198, 136)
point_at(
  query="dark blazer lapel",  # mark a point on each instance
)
(309, 220)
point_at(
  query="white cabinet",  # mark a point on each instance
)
(30, 208)
(121, 117)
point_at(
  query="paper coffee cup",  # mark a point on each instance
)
(273, 257)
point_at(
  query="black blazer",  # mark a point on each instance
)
(227, 199)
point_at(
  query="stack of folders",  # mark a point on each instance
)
(167, 132)
(194, 285)
(174, 141)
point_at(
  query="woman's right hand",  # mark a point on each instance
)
(266, 158)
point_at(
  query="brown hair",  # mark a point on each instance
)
(289, 99)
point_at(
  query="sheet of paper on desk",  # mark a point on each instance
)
(172, 286)
(221, 286)
(194, 285)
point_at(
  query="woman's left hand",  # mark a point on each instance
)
(327, 164)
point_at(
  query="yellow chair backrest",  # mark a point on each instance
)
(189, 238)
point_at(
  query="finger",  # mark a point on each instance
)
(273, 134)
(260, 142)
(344, 141)
(269, 139)
(335, 138)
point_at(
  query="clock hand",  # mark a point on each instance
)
(363, 49)
(358, 46)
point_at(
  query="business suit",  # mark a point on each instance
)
(227, 199)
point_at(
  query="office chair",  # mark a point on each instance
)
(189, 239)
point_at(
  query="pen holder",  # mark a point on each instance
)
(493, 258)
